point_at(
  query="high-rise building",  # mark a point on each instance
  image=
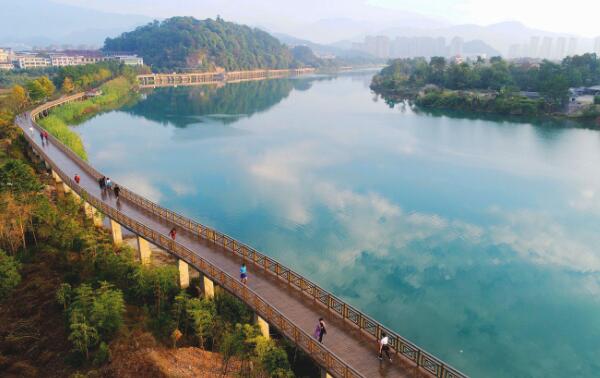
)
(456, 46)
(546, 48)
(597, 45)
(382, 46)
(561, 45)
(572, 50)
(534, 43)
(514, 51)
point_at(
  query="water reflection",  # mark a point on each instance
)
(475, 238)
(182, 106)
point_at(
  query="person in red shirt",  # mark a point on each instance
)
(173, 233)
(77, 179)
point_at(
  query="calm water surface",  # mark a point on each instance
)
(479, 240)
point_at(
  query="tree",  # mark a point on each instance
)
(47, 85)
(9, 274)
(17, 178)
(107, 310)
(272, 358)
(64, 295)
(67, 85)
(156, 284)
(552, 83)
(83, 336)
(202, 313)
(36, 90)
(18, 97)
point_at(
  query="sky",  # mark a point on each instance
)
(575, 16)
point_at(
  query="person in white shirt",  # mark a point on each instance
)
(384, 347)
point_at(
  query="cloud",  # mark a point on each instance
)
(540, 238)
(141, 185)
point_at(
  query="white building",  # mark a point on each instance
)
(6, 55)
(130, 60)
(24, 61)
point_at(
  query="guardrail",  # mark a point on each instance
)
(422, 359)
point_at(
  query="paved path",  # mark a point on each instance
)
(342, 338)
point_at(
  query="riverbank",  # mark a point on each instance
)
(481, 102)
(113, 94)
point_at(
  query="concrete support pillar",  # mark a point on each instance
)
(66, 188)
(74, 194)
(117, 233)
(263, 326)
(209, 288)
(93, 214)
(56, 177)
(144, 249)
(184, 274)
(325, 374)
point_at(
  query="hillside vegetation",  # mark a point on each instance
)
(188, 43)
(487, 86)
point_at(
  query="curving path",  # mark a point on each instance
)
(348, 350)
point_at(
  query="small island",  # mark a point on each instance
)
(497, 86)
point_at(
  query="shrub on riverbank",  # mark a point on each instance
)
(468, 101)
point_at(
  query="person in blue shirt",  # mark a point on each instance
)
(244, 274)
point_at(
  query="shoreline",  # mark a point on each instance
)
(412, 96)
(115, 93)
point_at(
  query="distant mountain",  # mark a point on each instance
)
(42, 22)
(322, 49)
(188, 43)
(331, 30)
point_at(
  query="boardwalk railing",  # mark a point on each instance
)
(422, 359)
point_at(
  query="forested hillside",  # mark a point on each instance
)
(188, 43)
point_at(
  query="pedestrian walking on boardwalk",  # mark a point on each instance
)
(42, 137)
(102, 182)
(244, 274)
(46, 136)
(321, 330)
(384, 347)
(117, 190)
(173, 233)
(31, 130)
(77, 178)
(108, 183)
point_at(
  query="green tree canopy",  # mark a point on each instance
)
(17, 177)
(185, 42)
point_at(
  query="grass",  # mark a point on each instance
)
(114, 94)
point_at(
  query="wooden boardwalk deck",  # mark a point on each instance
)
(344, 340)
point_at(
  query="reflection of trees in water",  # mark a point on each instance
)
(183, 106)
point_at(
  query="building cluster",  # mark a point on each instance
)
(23, 60)
(408, 47)
(549, 48)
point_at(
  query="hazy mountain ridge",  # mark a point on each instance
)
(22, 24)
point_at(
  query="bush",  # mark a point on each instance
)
(102, 355)
(231, 309)
(9, 274)
(597, 100)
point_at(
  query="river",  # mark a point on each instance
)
(476, 239)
